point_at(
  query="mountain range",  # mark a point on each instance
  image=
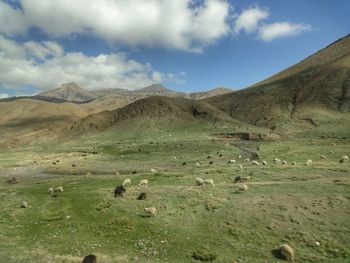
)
(313, 93)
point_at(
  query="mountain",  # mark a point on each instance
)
(69, 92)
(159, 90)
(153, 111)
(210, 93)
(308, 93)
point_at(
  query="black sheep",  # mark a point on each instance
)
(142, 196)
(90, 259)
(119, 191)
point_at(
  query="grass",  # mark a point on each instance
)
(299, 206)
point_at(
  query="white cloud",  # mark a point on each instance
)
(12, 20)
(187, 25)
(249, 19)
(45, 65)
(4, 95)
(270, 32)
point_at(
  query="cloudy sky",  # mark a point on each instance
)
(187, 45)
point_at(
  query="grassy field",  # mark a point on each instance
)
(307, 207)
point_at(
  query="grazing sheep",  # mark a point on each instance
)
(151, 211)
(198, 164)
(142, 196)
(50, 190)
(119, 191)
(287, 252)
(331, 152)
(246, 160)
(59, 189)
(90, 259)
(241, 167)
(265, 163)
(323, 157)
(24, 205)
(294, 163)
(154, 171)
(284, 162)
(232, 161)
(344, 159)
(239, 156)
(116, 173)
(199, 181)
(242, 179)
(242, 188)
(255, 163)
(143, 182)
(277, 161)
(126, 182)
(209, 181)
(309, 162)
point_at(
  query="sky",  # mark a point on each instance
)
(186, 45)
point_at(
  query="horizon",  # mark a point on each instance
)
(202, 52)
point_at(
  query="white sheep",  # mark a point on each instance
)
(239, 156)
(58, 189)
(241, 167)
(277, 161)
(24, 205)
(232, 161)
(143, 182)
(323, 157)
(50, 190)
(126, 182)
(287, 252)
(294, 163)
(309, 162)
(345, 158)
(151, 211)
(199, 181)
(331, 152)
(209, 182)
(154, 171)
(198, 164)
(265, 163)
(255, 163)
(242, 188)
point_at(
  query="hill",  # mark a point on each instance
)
(69, 92)
(155, 112)
(301, 97)
(209, 93)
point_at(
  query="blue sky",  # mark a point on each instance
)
(187, 46)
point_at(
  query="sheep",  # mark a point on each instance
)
(242, 179)
(24, 205)
(240, 167)
(209, 182)
(199, 181)
(143, 182)
(126, 182)
(119, 191)
(50, 190)
(344, 159)
(198, 164)
(58, 189)
(153, 171)
(90, 259)
(255, 163)
(277, 161)
(294, 163)
(309, 162)
(116, 173)
(152, 211)
(287, 252)
(323, 157)
(142, 196)
(242, 188)
(284, 162)
(246, 160)
(239, 156)
(231, 161)
(265, 163)
(331, 152)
